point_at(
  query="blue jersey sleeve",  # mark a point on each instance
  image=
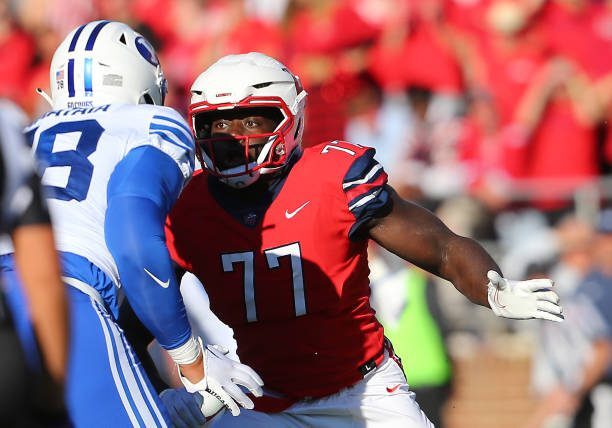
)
(141, 191)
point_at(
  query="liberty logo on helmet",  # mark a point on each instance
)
(146, 50)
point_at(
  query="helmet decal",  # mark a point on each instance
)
(104, 62)
(94, 35)
(75, 38)
(87, 77)
(146, 50)
(59, 78)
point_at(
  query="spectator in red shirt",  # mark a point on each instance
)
(573, 29)
(16, 55)
(420, 47)
(512, 50)
(384, 57)
(479, 149)
(558, 114)
(328, 42)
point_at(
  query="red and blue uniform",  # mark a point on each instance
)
(286, 265)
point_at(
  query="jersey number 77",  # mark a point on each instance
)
(272, 257)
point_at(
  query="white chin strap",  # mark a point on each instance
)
(46, 96)
(242, 180)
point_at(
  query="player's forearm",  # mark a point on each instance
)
(135, 238)
(141, 191)
(193, 371)
(39, 270)
(465, 264)
(157, 303)
(416, 235)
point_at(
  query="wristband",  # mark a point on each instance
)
(187, 353)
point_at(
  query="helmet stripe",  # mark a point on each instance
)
(87, 76)
(73, 42)
(71, 77)
(94, 35)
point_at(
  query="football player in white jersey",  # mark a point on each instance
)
(113, 161)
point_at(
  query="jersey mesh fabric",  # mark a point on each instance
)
(294, 283)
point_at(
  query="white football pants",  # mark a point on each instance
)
(381, 399)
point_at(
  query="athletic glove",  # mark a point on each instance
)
(184, 408)
(523, 299)
(222, 375)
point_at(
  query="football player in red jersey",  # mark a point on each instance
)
(279, 234)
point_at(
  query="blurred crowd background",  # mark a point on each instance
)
(492, 113)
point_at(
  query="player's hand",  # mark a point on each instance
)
(222, 375)
(183, 407)
(523, 299)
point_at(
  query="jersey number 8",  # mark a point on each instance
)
(81, 169)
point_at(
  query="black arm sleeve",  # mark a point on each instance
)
(36, 211)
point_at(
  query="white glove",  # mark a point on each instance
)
(222, 375)
(183, 407)
(523, 299)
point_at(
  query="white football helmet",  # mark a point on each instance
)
(248, 81)
(104, 62)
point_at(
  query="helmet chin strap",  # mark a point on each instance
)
(243, 180)
(45, 96)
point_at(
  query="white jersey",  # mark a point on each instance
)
(78, 150)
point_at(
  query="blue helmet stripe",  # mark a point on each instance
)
(94, 35)
(75, 38)
(71, 77)
(87, 76)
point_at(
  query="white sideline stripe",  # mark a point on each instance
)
(113, 366)
(130, 380)
(85, 288)
(369, 175)
(144, 384)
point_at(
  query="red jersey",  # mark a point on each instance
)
(292, 281)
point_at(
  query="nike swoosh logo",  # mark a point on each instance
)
(393, 388)
(159, 281)
(293, 213)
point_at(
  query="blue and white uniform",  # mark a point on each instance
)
(111, 174)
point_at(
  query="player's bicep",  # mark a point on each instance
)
(364, 186)
(413, 233)
(134, 235)
(149, 173)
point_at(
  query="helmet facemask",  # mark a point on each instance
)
(238, 160)
(246, 81)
